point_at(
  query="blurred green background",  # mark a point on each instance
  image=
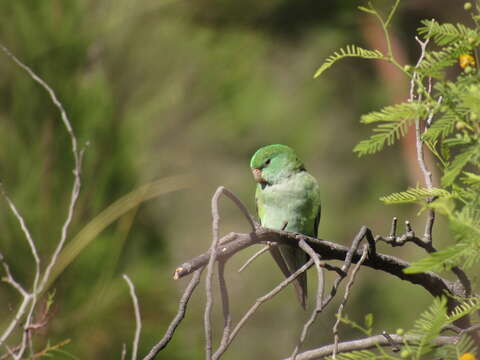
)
(165, 88)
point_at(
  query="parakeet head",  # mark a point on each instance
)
(272, 164)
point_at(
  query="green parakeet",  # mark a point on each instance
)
(286, 194)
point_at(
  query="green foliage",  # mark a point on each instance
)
(467, 155)
(435, 62)
(385, 134)
(442, 127)
(433, 320)
(415, 194)
(410, 111)
(428, 326)
(396, 121)
(348, 51)
(445, 34)
(419, 342)
(447, 112)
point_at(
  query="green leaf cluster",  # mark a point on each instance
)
(446, 112)
(444, 106)
(419, 342)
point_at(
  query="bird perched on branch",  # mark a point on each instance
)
(287, 198)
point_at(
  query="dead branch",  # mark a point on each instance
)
(328, 250)
(138, 319)
(182, 308)
(223, 347)
(344, 301)
(319, 298)
(368, 343)
(30, 298)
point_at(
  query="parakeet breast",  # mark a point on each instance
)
(295, 201)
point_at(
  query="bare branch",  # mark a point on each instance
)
(77, 156)
(182, 308)
(318, 299)
(10, 280)
(227, 318)
(369, 343)
(257, 304)
(123, 356)
(254, 256)
(138, 319)
(409, 236)
(208, 281)
(431, 282)
(344, 301)
(29, 302)
(24, 228)
(241, 206)
(395, 347)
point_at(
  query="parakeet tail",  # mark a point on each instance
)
(290, 260)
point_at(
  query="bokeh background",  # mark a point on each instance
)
(161, 89)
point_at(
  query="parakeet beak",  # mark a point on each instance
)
(257, 175)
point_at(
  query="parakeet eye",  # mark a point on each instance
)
(267, 162)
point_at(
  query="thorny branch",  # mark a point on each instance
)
(30, 298)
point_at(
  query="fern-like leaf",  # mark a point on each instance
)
(444, 34)
(464, 309)
(386, 134)
(396, 121)
(453, 351)
(458, 164)
(436, 61)
(429, 325)
(397, 112)
(460, 253)
(348, 51)
(414, 194)
(471, 179)
(441, 127)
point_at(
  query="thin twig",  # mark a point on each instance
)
(254, 256)
(138, 319)
(257, 304)
(208, 281)
(318, 299)
(344, 301)
(182, 308)
(395, 347)
(77, 156)
(29, 302)
(409, 236)
(24, 228)
(227, 318)
(369, 343)
(124, 352)
(10, 280)
(241, 206)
